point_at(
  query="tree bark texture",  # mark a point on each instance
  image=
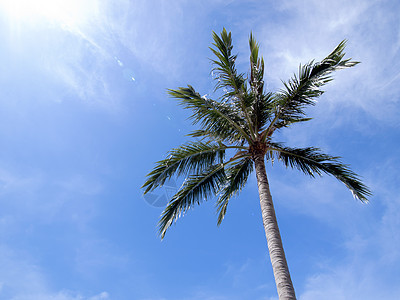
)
(280, 267)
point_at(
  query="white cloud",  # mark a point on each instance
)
(26, 188)
(81, 185)
(370, 235)
(151, 31)
(11, 182)
(22, 279)
(73, 59)
(62, 295)
(26, 211)
(103, 295)
(358, 279)
(92, 256)
(365, 276)
(314, 28)
(32, 199)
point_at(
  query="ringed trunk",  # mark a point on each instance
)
(280, 267)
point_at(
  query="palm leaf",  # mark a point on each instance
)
(303, 89)
(256, 68)
(191, 157)
(312, 161)
(237, 175)
(244, 118)
(287, 121)
(212, 115)
(194, 190)
(262, 111)
(228, 79)
(261, 103)
(224, 65)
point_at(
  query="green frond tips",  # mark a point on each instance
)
(254, 48)
(194, 190)
(237, 176)
(303, 89)
(224, 65)
(286, 122)
(227, 76)
(213, 115)
(256, 67)
(337, 55)
(233, 83)
(311, 161)
(190, 157)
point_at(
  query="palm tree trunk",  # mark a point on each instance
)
(277, 255)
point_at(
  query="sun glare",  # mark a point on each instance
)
(63, 12)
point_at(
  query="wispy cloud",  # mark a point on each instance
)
(22, 279)
(36, 196)
(360, 278)
(370, 237)
(74, 58)
(313, 28)
(29, 204)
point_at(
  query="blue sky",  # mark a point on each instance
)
(84, 114)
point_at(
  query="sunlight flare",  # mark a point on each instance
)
(62, 12)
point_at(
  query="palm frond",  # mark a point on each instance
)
(212, 115)
(287, 121)
(194, 190)
(262, 103)
(303, 89)
(256, 68)
(228, 79)
(244, 118)
(209, 135)
(262, 111)
(237, 175)
(205, 135)
(190, 157)
(224, 65)
(312, 161)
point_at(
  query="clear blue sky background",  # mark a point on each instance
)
(84, 114)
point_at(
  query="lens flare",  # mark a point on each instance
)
(63, 12)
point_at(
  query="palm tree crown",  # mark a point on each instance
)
(244, 119)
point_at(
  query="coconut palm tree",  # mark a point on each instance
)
(243, 121)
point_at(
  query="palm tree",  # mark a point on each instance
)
(244, 120)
